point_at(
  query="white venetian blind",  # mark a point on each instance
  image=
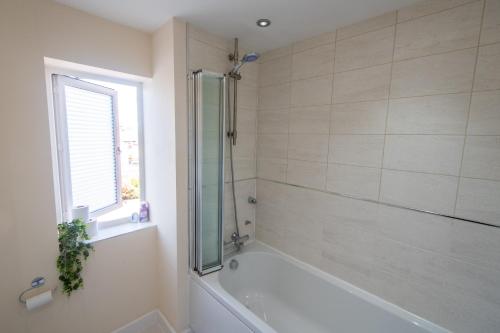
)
(92, 145)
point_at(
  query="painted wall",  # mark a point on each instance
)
(401, 108)
(210, 52)
(121, 269)
(165, 118)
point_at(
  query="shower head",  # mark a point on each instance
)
(249, 57)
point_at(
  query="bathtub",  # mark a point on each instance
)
(271, 292)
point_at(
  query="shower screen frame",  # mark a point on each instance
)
(196, 183)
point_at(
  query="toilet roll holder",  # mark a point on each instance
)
(35, 283)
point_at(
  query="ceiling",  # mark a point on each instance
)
(292, 20)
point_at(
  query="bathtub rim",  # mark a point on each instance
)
(211, 283)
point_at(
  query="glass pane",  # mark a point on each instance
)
(91, 141)
(210, 123)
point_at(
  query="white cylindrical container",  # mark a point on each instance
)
(39, 300)
(92, 228)
(80, 212)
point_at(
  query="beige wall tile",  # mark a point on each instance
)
(449, 30)
(205, 56)
(427, 7)
(275, 71)
(369, 49)
(362, 85)
(488, 68)
(313, 62)
(482, 157)
(272, 168)
(272, 145)
(326, 38)
(246, 146)
(440, 114)
(308, 147)
(269, 55)
(308, 174)
(247, 96)
(484, 114)
(209, 38)
(434, 193)
(439, 154)
(303, 247)
(433, 75)
(370, 24)
(360, 150)
(276, 96)
(315, 91)
(244, 168)
(274, 121)
(359, 118)
(491, 22)
(310, 120)
(359, 182)
(247, 120)
(479, 200)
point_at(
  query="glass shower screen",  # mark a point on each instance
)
(207, 170)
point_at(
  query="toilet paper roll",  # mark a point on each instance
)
(92, 228)
(80, 212)
(39, 300)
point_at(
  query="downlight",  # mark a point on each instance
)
(263, 23)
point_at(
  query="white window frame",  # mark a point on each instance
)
(60, 178)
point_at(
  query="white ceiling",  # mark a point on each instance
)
(292, 20)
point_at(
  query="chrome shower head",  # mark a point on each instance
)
(249, 57)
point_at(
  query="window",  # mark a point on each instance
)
(98, 146)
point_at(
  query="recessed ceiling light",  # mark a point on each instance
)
(263, 23)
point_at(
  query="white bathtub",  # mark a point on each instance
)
(273, 292)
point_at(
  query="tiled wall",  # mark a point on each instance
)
(402, 108)
(210, 52)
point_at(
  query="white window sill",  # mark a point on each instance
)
(107, 232)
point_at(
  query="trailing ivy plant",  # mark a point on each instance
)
(72, 251)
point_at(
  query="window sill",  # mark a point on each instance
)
(107, 232)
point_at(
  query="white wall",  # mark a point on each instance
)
(122, 269)
(165, 119)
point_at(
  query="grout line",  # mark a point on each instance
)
(377, 202)
(468, 109)
(330, 126)
(433, 13)
(387, 110)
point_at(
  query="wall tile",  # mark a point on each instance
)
(424, 153)
(313, 62)
(362, 84)
(245, 147)
(209, 38)
(449, 30)
(479, 200)
(433, 75)
(360, 150)
(272, 145)
(326, 38)
(275, 71)
(274, 121)
(440, 114)
(484, 114)
(272, 54)
(247, 96)
(360, 182)
(272, 168)
(427, 7)
(310, 120)
(434, 193)
(359, 118)
(246, 211)
(488, 68)
(308, 147)
(482, 157)
(204, 56)
(491, 22)
(308, 174)
(315, 91)
(369, 49)
(244, 168)
(276, 96)
(371, 24)
(247, 120)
